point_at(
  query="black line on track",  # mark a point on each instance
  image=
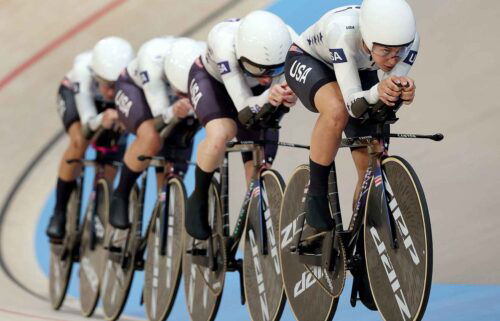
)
(53, 141)
(10, 197)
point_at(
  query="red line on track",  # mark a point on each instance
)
(28, 315)
(59, 41)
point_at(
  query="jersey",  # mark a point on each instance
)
(335, 39)
(146, 70)
(222, 64)
(86, 91)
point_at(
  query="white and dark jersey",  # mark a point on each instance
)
(147, 72)
(85, 91)
(335, 39)
(221, 63)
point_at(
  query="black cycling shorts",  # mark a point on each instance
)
(212, 101)
(66, 105)
(305, 84)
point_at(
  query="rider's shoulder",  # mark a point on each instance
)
(81, 66)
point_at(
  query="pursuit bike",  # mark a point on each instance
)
(205, 263)
(387, 247)
(162, 243)
(83, 242)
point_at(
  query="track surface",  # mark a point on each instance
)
(455, 73)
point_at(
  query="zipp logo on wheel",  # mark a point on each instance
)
(307, 280)
(259, 276)
(270, 233)
(399, 219)
(289, 231)
(391, 275)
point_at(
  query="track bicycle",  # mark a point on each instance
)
(205, 263)
(387, 246)
(162, 242)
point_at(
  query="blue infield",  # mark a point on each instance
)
(447, 302)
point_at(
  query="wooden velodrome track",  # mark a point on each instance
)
(456, 75)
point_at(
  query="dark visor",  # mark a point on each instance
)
(257, 70)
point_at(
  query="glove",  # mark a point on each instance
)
(247, 117)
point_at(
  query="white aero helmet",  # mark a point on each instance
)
(177, 64)
(387, 22)
(110, 56)
(262, 42)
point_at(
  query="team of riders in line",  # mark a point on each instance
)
(350, 59)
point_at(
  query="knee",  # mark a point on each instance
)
(336, 117)
(151, 141)
(78, 143)
(218, 139)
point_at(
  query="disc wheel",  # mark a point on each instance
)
(164, 251)
(61, 255)
(120, 262)
(308, 297)
(262, 272)
(400, 278)
(92, 254)
(202, 286)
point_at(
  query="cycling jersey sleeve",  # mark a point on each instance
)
(82, 86)
(342, 46)
(154, 85)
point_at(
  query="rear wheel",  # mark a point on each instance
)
(92, 254)
(400, 279)
(203, 286)
(308, 288)
(120, 261)
(164, 251)
(262, 272)
(62, 255)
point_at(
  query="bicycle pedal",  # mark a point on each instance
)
(310, 259)
(197, 252)
(114, 249)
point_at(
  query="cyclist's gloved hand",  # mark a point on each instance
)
(247, 116)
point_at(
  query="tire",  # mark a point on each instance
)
(307, 297)
(117, 277)
(163, 271)
(62, 255)
(92, 253)
(400, 279)
(262, 273)
(203, 287)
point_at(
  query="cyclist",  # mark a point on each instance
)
(334, 69)
(145, 93)
(240, 73)
(85, 104)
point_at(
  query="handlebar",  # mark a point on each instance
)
(269, 116)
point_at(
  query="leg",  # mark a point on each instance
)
(210, 154)
(325, 142)
(148, 143)
(66, 182)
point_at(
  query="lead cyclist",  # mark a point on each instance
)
(351, 58)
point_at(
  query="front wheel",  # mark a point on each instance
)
(164, 251)
(262, 271)
(307, 287)
(62, 255)
(92, 252)
(400, 278)
(202, 285)
(120, 261)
